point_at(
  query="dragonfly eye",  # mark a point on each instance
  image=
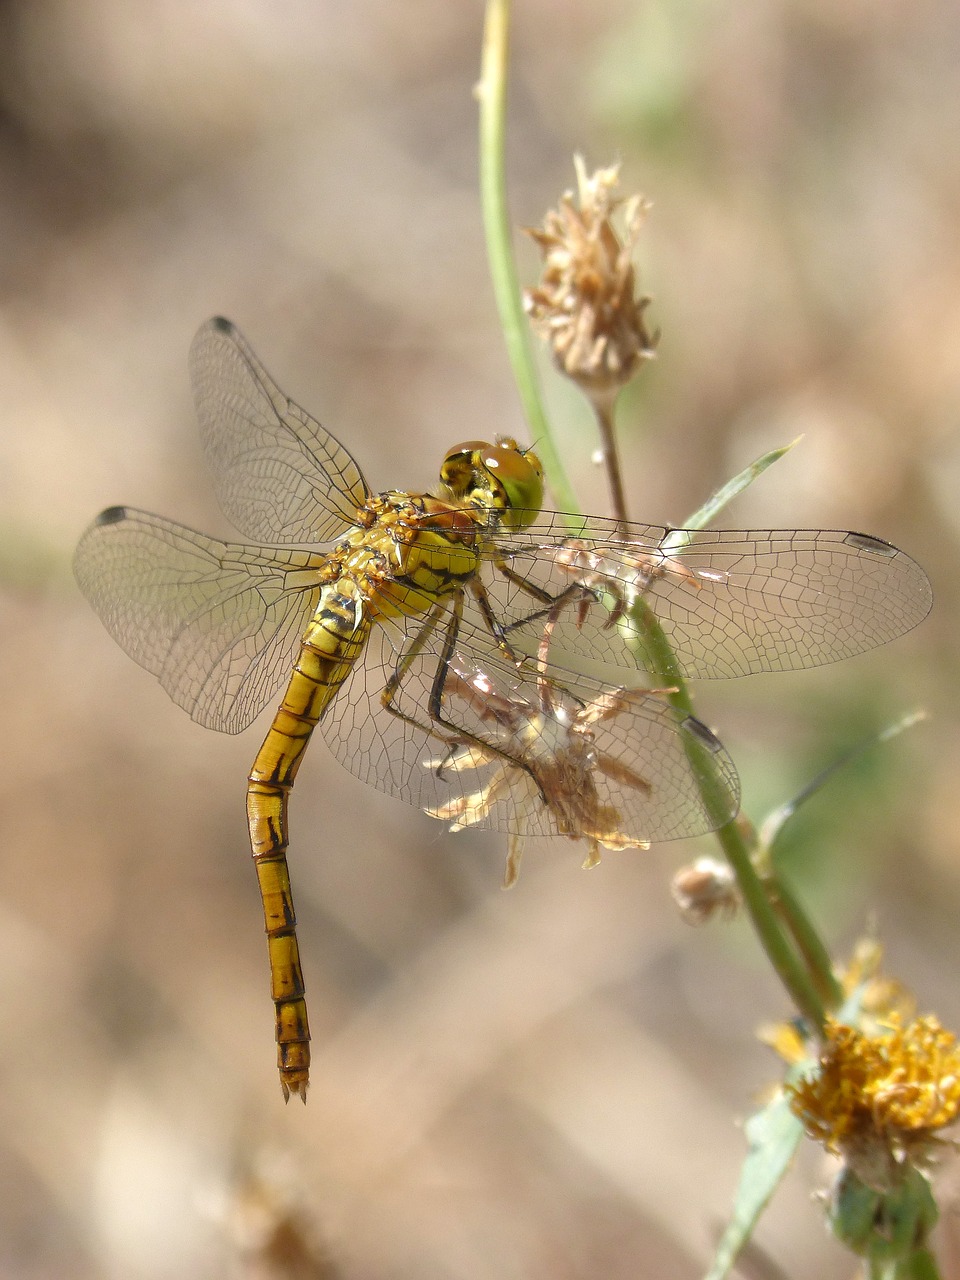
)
(459, 467)
(516, 476)
(501, 476)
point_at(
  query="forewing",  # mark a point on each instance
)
(279, 476)
(217, 623)
(651, 764)
(729, 602)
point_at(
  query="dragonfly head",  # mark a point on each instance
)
(499, 477)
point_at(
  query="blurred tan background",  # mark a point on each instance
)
(542, 1084)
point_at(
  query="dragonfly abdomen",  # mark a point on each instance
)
(331, 644)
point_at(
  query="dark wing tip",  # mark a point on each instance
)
(112, 515)
(867, 542)
(706, 736)
(222, 324)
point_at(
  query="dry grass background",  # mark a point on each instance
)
(541, 1084)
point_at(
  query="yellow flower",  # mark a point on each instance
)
(584, 305)
(877, 1100)
(880, 997)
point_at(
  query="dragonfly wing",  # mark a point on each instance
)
(630, 769)
(218, 623)
(280, 477)
(730, 603)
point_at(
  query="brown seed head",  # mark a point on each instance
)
(584, 305)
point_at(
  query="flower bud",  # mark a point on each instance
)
(705, 889)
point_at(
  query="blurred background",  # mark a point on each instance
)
(546, 1083)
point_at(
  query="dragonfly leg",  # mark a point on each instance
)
(436, 701)
(440, 726)
(553, 604)
(574, 594)
(407, 658)
(524, 583)
(576, 591)
(494, 625)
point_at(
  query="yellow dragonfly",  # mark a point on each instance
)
(486, 657)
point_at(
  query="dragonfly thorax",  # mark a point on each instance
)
(413, 552)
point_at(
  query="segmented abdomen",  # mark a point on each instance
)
(331, 644)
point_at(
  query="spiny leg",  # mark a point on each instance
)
(493, 623)
(524, 583)
(452, 734)
(576, 592)
(407, 658)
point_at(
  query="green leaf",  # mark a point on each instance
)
(773, 1135)
(888, 1228)
(774, 822)
(715, 504)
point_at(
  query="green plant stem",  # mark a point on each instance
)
(808, 941)
(492, 95)
(921, 1265)
(793, 973)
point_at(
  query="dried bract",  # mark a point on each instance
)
(542, 753)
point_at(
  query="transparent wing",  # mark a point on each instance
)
(590, 766)
(279, 476)
(729, 602)
(217, 623)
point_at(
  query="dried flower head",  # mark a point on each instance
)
(613, 768)
(549, 756)
(878, 1100)
(584, 305)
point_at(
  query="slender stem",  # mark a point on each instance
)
(610, 456)
(782, 955)
(492, 97)
(808, 941)
(492, 94)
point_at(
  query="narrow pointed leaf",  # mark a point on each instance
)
(724, 495)
(774, 822)
(773, 1135)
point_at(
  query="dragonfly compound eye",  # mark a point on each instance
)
(459, 467)
(515, 477)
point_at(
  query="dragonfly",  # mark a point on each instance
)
(490, 662)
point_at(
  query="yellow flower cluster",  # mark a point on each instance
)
(899, 1085)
